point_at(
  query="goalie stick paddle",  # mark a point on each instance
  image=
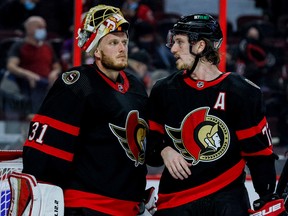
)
(282, 186)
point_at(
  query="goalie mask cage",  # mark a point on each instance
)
(10, 161)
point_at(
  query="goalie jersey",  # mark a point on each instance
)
(89, 138)
(218, 126)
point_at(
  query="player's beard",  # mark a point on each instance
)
(183, 66)
(109, 63)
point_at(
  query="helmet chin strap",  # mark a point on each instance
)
(197, 57)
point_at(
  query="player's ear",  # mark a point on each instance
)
(97, 53)
(201, 46)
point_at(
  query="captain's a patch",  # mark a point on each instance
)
(70, 77)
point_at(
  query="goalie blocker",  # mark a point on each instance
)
(270, 205)
(29, 198)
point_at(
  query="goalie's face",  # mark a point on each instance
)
(112, 52)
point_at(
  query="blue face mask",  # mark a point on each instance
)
(133, 6)
(40, 34)
(29, 5)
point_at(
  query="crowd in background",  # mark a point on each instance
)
(258, 49)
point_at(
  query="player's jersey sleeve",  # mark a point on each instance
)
(254, 136)
(253, 126)
(155, 138)
(49, 149)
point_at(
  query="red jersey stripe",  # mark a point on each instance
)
(266, 151)
(67, 128)
(250, 132)
(179, 198)
(156, 127)
(50, 150)
(108, 205)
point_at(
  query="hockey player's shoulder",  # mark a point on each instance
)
(241, 80)
(251, 83)
(168, 80)
(74, 74)
(77, 79)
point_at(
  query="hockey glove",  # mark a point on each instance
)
(148, 206)
(270, 205)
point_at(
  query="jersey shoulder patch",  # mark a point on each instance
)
(70, 77)
(81, 80)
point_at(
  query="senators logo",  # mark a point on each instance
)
(201, 137)
(70, 77)
(133, 137)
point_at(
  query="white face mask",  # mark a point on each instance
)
(40, 34)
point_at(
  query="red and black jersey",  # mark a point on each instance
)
(216, 125)
(89, 138)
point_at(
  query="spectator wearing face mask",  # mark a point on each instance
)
(33, 62)
(13, 13)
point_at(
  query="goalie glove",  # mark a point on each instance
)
(270, 205)
(29, 198)
(148, 206)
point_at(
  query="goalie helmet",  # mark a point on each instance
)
(98, 22)
(197, 27)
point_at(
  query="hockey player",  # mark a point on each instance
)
(89, 134)
(205, 126)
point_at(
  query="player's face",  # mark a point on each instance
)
(114, 51)
(217, 140)
(181, 51)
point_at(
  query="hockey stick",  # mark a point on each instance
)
(282, 186)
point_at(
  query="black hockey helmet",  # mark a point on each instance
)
(197, 26)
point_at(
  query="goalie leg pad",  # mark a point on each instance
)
(29, 198)
(25, 195)
(52, 200)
